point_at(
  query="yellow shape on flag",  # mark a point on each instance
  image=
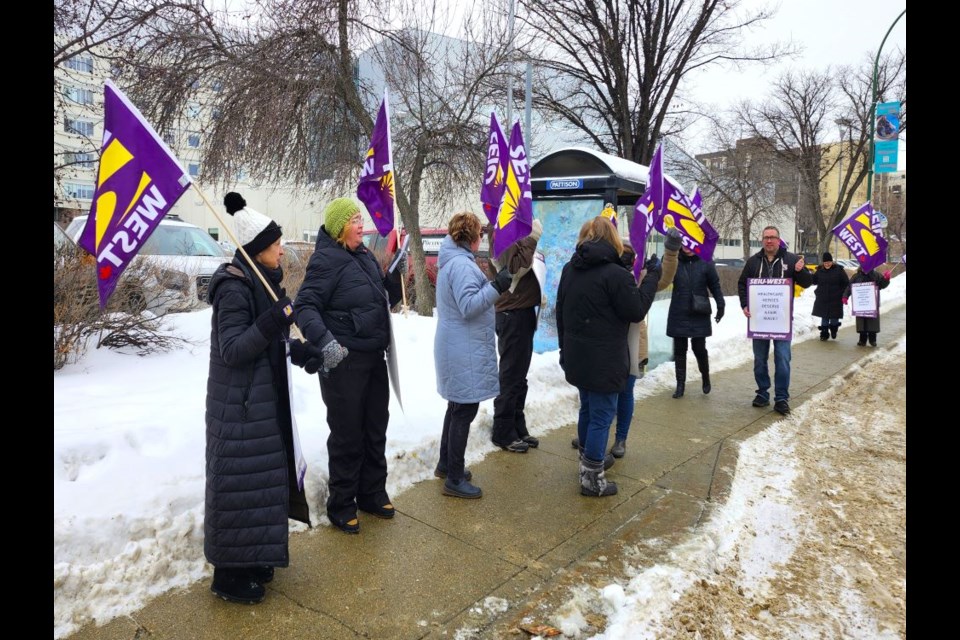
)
(386, 182)
(869, 241)
(511, 199)
(687, 221)
(113, 158)
(144, 182)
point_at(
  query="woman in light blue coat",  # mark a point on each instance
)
(464, 348)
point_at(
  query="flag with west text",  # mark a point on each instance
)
(515, 216)
(491, 194)
(376, 186)
(860, 233)
(138, 181)
(640, 226)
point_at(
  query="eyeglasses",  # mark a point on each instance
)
(771, 237)
(356, 220)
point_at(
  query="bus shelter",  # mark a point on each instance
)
(571, 186)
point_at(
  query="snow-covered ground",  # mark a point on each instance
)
(129, 464)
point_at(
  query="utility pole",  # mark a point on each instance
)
(873, 108)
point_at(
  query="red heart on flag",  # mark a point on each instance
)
(105, 271)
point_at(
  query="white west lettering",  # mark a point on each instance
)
(152, 204)
(136, 224)
(107, 254)
(367, 167)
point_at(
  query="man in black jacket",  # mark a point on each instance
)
(773, 261)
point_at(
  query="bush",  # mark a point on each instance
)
(124, 323)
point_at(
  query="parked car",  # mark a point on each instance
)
(184, 257)
(729, 262)
(385, 248)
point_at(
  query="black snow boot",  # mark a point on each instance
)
(704, 365)
(833, 331)
(237, 585)
(593, 481)
(680, 365)
(824, 333)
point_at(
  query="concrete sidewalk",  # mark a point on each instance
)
(443, 564)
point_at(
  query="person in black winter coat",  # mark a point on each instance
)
(343, 307)
(597, 299)
(772, 261)
(693, 278)
(868, 328)
(251, 480)
(831, 281)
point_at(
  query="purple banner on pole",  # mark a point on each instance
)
(375, 189)
(491, 194)
(138, 182)
(515, 217)
(860, 233)
(674, 209)
(640, 226)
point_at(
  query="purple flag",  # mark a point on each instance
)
(491, 194)
(375, 188)
(138, 182)
(860, 233)
(710, 235)
(674, 209)
(640, 227)
(515, 216)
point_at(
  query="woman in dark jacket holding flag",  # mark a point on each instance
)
(597, 299)
(343, 307)
(868, 328)
(251, 487)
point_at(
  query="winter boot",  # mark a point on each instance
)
(833, 331)
(680, 364)
(237, 585)
(619, 448)
(704, 365)
(608, 459)
(863, 340)
(593, 481)
(873, 339)
(824, 334)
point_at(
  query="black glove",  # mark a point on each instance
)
(275, 319)
(502, 282)
(402, 265)
(719, 316)
(304, 354)
(672, 241)
(652, 263)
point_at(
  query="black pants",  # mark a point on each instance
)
(453, 442)
(357, 396)
(515, 331)
(699, 346)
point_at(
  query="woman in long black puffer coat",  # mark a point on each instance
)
(832, 281)
(693, 277)
(251, 480)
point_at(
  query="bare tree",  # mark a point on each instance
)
(288, 104)
(742, 183)
(612, 69)
(799, 118)
(89, 35)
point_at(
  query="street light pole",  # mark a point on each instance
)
(873, 109)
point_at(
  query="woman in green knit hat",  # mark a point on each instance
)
(343, 307)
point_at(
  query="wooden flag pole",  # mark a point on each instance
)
(294, 330)
(403, 276)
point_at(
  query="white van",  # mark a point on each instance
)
(186, 257)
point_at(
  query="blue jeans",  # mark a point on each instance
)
(781, 369)
(593, 426)
(625, 408)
